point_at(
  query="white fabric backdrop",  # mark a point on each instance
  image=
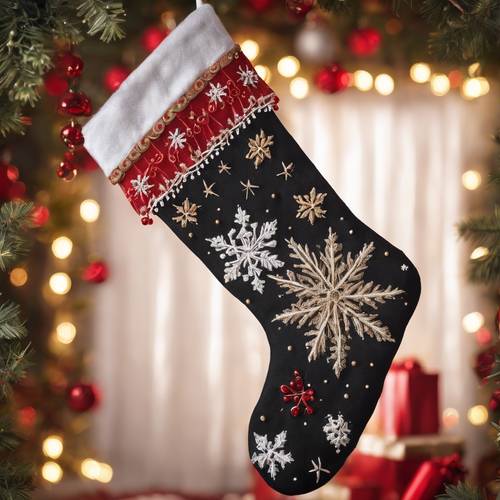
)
(181, 362)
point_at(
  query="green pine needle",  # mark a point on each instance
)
(462, 491)
(11, 325)
(103, 18)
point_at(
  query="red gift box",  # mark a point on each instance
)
(409, 404)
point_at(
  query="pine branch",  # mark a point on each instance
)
(497, 428)
(15, 481)
(462, 491)
(11, 325)
(103, 18)
(10, 117)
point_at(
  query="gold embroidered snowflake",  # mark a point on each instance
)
(186, 213)
(332, 298)
(310, 205)
(259, 148)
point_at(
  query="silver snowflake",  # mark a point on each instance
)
(247, 249)
(270, 453)
(177, 139)
(140, 185)
(337, 431)
(332, 297)
(216, 92)
(248, 77)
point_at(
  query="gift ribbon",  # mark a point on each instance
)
(432, 475)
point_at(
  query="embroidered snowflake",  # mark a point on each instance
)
(337, 431)
(310, 206)
(271, 453)
(186, 213)
(140, 185)
(248, 77)
(177, 139)
(247, 249)
(216, 92)
(332, 297)
(259, 148)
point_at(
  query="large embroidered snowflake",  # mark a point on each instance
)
(337, 431)
(259, 148)
(216, 92)
(271, 453)
(310, 206)
(332, 297)
(141, 185)
(177, 139)
(186, 213)
(247, 249)
(247, 76)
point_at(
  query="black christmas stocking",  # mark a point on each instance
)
(192, 137)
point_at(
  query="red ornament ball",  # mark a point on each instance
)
(69, 64)
(82, 397)
(332, 79)
(152, 37)
(485, 361)
(114, 77)
(260, 5)
(364, 41)
(75, 104)
(17, 191)
(72, 136)
(40, 215)
(494, 403)
(96, 272)
(299, 8)
(66, 170)
(55, 84)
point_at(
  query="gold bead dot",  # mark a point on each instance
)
(218, 209)
(386, 253)
(262, 418)
(372, 365)
(217, 221)
(351, 231)
(325, 381)
(342, 218)
(190, 235)
(290, 348)
(353, 363)
(295, 479)
(347, 386)
(406, 303)
(346, 396)
(305, 423)
(367, 386)
(273, 196)
(289, 228)
(247, 301)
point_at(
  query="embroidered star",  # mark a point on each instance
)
(247, 76)
(216, 92)
(224, 168)
(259, 148)
(177, 139)
(404, 267)
(141, 185)
(318, 469)
(186, 213)
(310, 206)
(209, 190)
(248, 188)
(287, 170)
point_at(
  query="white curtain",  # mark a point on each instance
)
(181, 362)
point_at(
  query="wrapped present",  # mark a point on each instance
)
(391, 463)
(432, 476)
(409, 402)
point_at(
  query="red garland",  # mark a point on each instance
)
(295, 392)
(432, 475)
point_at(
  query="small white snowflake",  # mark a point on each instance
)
(177, 139)
(337, 431)
(140, 185)
(270, 453)
(248, 248)
(247, 76)
(216, 92)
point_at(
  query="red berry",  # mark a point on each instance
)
(69, 64)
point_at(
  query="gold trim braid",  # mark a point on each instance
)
(136, 152)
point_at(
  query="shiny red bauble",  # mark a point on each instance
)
(152, 37)
(299, 8)
(82, 397)
(485, 361)
(54, 83)
(494, 403)
(364, 41)
(114, 77)
(96, 272)
(69, 64)
(40, 215)
(332, 79)
(71, 134)
(260, 5)
(75, 104)
(66, 170)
